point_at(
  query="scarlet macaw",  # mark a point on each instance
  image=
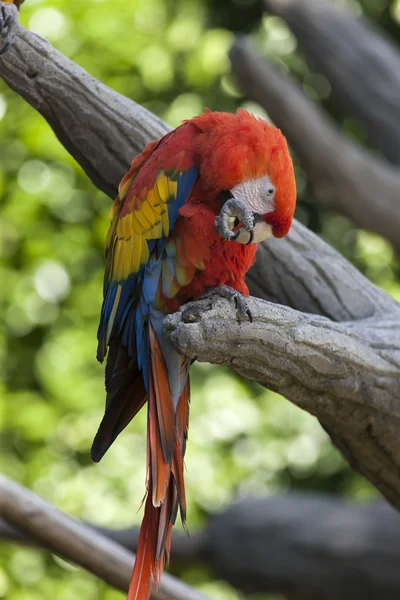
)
(170, 242)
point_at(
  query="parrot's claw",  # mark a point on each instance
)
(234, 211)
(8, 26)
(241, 302)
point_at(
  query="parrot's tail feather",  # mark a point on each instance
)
(177, 471)
(167, 519)
(182, 416)
(165, 485)
(182, 423)
(140, 585)
(126, 394)
(164, 403)
(160, 470)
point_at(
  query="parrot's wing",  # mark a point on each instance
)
(143, 214)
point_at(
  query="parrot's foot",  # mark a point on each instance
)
(8, 26)
(232, 213)
(241, 302)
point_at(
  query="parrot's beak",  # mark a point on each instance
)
(238, 222)
(261, 232)
(251, 199)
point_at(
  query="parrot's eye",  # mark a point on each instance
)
(270, 191)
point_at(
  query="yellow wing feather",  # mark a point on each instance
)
(144, 217)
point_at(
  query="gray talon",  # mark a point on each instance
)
(234, 209)
(241, 302)
(242, 305)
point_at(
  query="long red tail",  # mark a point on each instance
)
(166, 441)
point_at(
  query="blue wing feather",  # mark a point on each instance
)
(138, 292)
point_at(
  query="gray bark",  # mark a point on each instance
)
(305, 273)
(361, 64)
(308, 548)
(36, 519)
(304, 546)
(103, 130)
(100, 128)
(346, 372)
(343, 176)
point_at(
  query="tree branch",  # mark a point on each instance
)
(301, 270)
(361, 64)
(304, 272)
(308, 546)
(185, 550)
(346, 374)
(300, 545)
(343, 176)
(78, 108)
(74, 541)
(100, 128)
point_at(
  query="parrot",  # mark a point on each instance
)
(185, 224)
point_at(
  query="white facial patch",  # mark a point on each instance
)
(258, 194)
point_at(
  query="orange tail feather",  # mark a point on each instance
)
(140, 585)
(165, 479)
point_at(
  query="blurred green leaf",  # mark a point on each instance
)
(172, 57)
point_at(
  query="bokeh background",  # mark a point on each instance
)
(170, 56)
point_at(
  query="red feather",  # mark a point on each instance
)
(226, 149)
(164, 402)
(165, 485)
(160, 469)
(140, 585)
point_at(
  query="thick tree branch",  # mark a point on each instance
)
(346, 374)
(304, 272)
(344, 176)
(308, 547)
(362, 66)
(79, 111)
(185, 549)
(100, 128)
(300, 545)
(300, 271)
(78, 543)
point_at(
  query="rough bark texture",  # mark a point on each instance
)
(308, 548)
(361, 64)
(302, 545)
(104, 130)
(100, 128)
(35, 518)
(304, 272)
(346, 372)
(343, 176)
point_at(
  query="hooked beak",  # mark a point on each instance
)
(240, 223)
(244, 207)
(259, 233)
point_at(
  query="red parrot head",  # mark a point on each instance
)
(243, 157)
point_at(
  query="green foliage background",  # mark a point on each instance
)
(172, 57)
